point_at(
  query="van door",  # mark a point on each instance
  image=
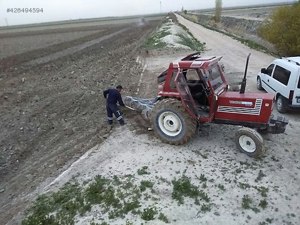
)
(185, 94)
(266, 80)
(282, 80)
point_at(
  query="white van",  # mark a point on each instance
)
(281, 77)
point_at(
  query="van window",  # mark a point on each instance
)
(270, 69)
(299, 83)
(282, 75)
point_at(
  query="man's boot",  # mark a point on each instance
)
(122, 122)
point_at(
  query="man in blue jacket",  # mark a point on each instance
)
(112, 97)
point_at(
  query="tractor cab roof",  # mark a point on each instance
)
(195, 60)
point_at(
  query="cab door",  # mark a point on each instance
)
(185, 94)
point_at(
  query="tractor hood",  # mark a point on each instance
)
(246, 107)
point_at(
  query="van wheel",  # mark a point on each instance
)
(281, 104)
(249, 142)
(258, 84)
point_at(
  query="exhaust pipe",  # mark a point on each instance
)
(244, 81)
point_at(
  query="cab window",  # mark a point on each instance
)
(215, 77)
(191, 75)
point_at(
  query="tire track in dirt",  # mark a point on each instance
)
(7, 63)
(73, 49)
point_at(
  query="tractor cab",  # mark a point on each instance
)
(197, 81)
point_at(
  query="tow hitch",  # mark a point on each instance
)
(277, 124)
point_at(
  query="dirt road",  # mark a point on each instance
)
(234, 53)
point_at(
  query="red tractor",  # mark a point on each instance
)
(194, 91)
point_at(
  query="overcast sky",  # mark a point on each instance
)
(56, 10)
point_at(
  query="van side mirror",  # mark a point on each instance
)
(263, 70)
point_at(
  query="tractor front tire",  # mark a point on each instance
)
(250, 142)
(171, 123)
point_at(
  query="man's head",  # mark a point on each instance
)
(119, 88)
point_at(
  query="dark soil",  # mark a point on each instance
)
(52, 113)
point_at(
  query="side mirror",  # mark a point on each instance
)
(263, 70)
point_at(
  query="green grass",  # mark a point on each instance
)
(129, 206)
(206, 207)
(221, 187)
(128, 222)
(260, 176)
(155, 40)
(163, 218)
(146, 184)
(189, 40)
(114, 196)
(263, 191)
(149, 213)
(184, 188)
(164, 180)
(186, 39)
(202, 178)
(66, 203)
(143, 171)
(103, 223)
(262, 223)
(244, 185)
(246, 202)
(100, 192)
(263, 204)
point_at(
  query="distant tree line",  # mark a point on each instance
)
(283, 30)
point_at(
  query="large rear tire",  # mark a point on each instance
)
(249, 142)
(171, 123)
